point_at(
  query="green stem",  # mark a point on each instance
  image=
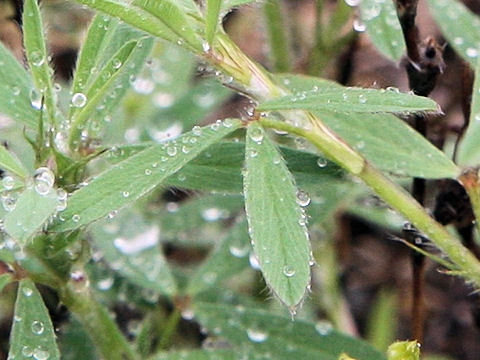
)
(402, 201)
(99, 325)
(279, 53)
(170, 328)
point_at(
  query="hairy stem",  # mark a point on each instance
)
(99, 325)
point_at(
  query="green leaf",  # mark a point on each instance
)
(257, 333)
(276, 222)
(223, 354)
(129, 180)
(227, 260)
(351, 100)
(211, 19)
(460, 26)
(134, 16)
(36, 51)
(173, 18)
(130, 245)
(113, 79)
(469, 149)
(32, 331)
(404, 350)
(10, 163)
(39, 209)
(383, 27)
(99, 32)
(16, 87)
(224, 162)
(399, 149)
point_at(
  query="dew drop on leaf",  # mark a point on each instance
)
(288, 271)
(27, 291)
(8, 182)
(254, 261)
(303, 199)
(323, 327)
(43, 180)
(41, 354)
(37, 58)
(79, 100)
(322, 162)
(256, 335)
(256, 135)
(37, 327)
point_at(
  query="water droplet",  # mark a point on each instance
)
(362, 99)
(43, 180)
(27, 291)
(187, 314)
(148, 172)
(41, 354)
(197, 130)
(211, 214)
(359, 25)
(256, 335)
(322, 162)
(27, 351)
(35, 99)
(254, 261)
(303, 199)
(323, 327)
(8, 182)
(472, 52)
(37, 327)
(172, 150)
(142, 86)
(37, 58)
(15, 91)
(253, 153)
(62, 197)
(163, 100)
(352, 2)
(256, 135)
(76, 218)
(288, 271)
(116, 64)
(206, 46)
(215, 126)
(458, 41)
(105, 284)
(79, 100)
(239, 250)
(126, 194)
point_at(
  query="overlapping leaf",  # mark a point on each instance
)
(39, 208)
(224, 161)
(16, 87)
(36, 51)
(383, 27)
(383, 139)
(32, 333)
(11, 163)
(351, 100)
(228, 259)
(276, 221)
(128, 180)
(133, 250)
(460, 26)
(469, 150)
(255, 333)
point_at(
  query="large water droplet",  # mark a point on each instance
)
(37, 58)
(41, 354)
(359, 25)
(256, 335)
(8, 182)
(62, 197)
(27, 291)
(253, 260)
(79, 100)
(43, 180)
(322, 162)
(256, 135)
(288, 271)
(36, 99)
(303, 199)
(323, 327)
(37, 327)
